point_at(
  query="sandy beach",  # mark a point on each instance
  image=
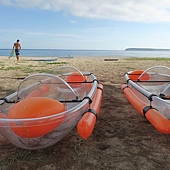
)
(107, 71)
(122, 139)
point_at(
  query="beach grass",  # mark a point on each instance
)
(146, 58)
(20, 155)
(12, 68)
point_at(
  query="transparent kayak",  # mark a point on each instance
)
(46, 107)
(149, 92)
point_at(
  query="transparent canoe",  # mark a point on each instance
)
(46, 107)
(149, 92)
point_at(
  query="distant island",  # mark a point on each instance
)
(145, 49)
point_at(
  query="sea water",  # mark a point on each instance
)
(88, 53)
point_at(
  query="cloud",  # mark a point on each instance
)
(124, 10)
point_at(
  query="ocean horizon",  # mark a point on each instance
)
(88, 53)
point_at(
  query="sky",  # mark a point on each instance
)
(85, 24)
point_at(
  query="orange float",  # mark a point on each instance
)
(3, 115)
(36, 107)
(87, 122)
(40, 91)
(75, 79)
(134, 75)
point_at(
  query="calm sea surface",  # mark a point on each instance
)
(88, 53)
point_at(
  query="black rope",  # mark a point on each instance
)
(92, 111)
(8, 101)
(152, 81)
(145, 109)
(62, 101)
(87, 97)
(125, 87)
(128, 80)
(150, 96)
(70, 82)
(95, 80)
(162, 96)
(70, 101)
(99, 88)
(88, 74)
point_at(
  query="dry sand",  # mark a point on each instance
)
(122, 139)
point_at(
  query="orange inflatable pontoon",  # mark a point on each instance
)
(88, 120)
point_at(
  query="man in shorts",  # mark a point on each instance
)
(17, 47)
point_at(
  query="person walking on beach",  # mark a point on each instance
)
(17, 47)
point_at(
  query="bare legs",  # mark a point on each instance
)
(17, 56)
